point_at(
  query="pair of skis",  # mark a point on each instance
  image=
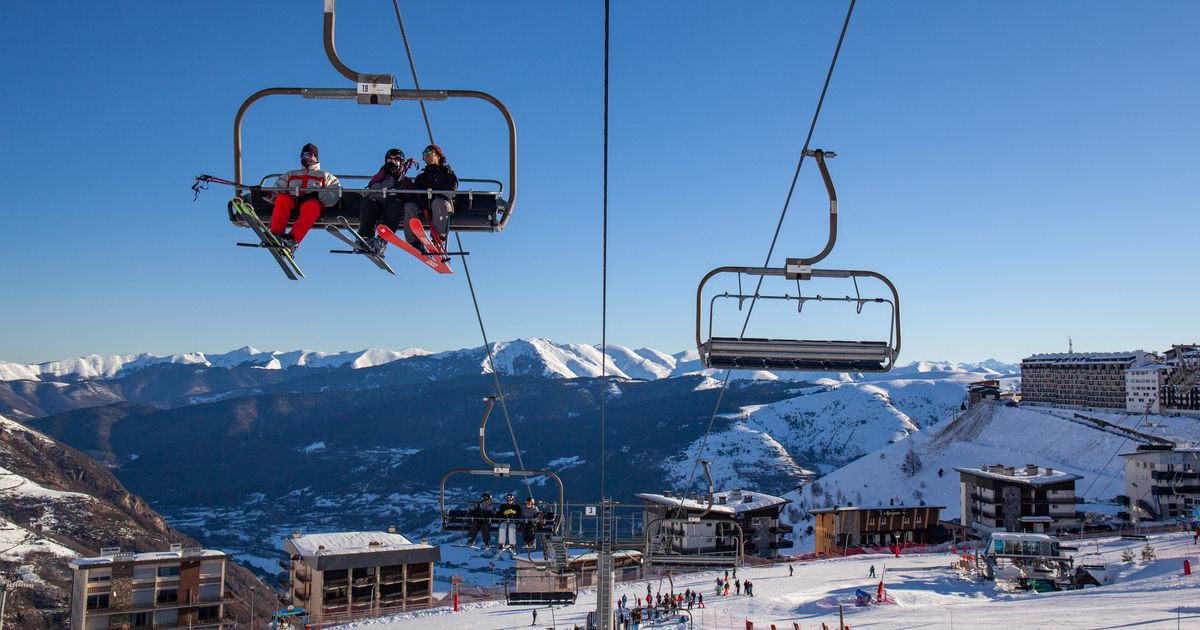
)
(267, 239)
(358, 245)
(435, 250)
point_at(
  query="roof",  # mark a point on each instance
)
(345, 550)
(1085, 358)
(857, 508)
(736, 501)
(1155, 451)
(149, 557)
(1020, 475)
(1024, 537)
(334, 543)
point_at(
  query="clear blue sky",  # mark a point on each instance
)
(1023, 171)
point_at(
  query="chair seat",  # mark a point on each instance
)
(754, 353)
(473, 211)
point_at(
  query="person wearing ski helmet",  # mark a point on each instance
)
(509, 513)
(481, 520)
(437, 175)
(308, 189)
(530, 517)
(380, 205)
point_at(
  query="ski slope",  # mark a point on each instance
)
(927, 592)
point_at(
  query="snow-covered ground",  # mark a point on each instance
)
(988, 434)
(928, 593)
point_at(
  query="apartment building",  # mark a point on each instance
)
(1142, 386)
(1027, 499)
(837, 528)
(1181, 392)
(1162, 481)
(179, 588)
(1080, 379)
(342, 573)
(756, 514)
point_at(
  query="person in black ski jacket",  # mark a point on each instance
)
(481, 520)
(530, 517)
(376, 206)
(437, 175)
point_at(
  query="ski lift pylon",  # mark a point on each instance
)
(800, 354)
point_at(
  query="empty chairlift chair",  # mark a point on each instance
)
(833, 355)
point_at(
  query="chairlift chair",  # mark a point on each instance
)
(799, 354)
(659, 551)
(480, 208)
(460, 519)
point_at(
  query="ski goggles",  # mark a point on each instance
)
(429, 152)
(308, 154)
(393, 158)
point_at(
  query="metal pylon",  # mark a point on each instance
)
(604, 569)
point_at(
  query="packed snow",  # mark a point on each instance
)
(923, 590)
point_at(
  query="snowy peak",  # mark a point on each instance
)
(98, 367)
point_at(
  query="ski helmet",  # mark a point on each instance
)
(487, 496)
(394, 153)
(509, 497)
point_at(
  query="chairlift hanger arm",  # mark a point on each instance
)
(821, 156)
(398, 95)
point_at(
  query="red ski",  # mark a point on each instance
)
(436, 262)
(434, 244)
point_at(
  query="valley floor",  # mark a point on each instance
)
(928, 593)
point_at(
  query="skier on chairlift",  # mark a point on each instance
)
(308, 188)
(509, 514)
(481, 521)
(376, 207)
(437, 175)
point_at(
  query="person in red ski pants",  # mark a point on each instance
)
(310, 189)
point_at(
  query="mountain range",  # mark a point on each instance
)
(239, 449)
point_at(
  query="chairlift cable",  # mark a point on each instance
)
(413, 67)
(775, 238)
(604, 265)
(487, 346)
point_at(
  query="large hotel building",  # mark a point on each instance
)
(1080, 379)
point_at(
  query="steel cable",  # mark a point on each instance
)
(775, 238)
(467, 272)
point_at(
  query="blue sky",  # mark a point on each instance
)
(1023, 171)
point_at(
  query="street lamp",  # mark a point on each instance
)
(252, 608)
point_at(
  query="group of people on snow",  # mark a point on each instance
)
(511, 517)
(309, 188)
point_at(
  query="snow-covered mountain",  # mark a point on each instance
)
(824, 427)
(98, 367)
(527, 356)
(986, 434)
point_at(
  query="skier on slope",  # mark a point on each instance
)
(509, 514)
(481, 520)
(437, 175)
(309, 188)
(376, 206)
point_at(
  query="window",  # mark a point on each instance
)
(97, 601)
(167, 596)
(209, 613)
(107, 577)
(139, 620)
(170, 571)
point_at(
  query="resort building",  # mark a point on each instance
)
(754, 514)
(1142, 386)
(337, 575)
(838, 528)
(1079, 379)
(1162, 481)
(1029, 499)
(180, 588)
